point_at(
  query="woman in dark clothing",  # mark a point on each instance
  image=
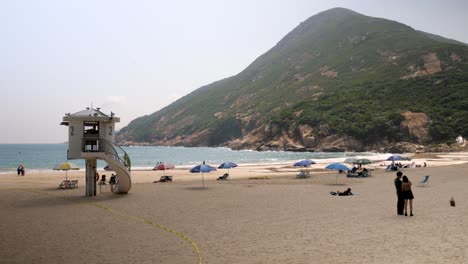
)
(407, 195)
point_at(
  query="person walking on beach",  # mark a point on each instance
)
(407, 195)
(399, 193)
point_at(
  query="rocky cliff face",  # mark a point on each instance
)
(414, 130)
(415, 127)
(301, 138)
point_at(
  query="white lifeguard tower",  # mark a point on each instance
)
(91, 137)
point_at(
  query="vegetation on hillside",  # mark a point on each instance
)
(372, 111)
(356, 74)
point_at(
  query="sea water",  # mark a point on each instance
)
(46, 156)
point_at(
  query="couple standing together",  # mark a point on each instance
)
(404, 194)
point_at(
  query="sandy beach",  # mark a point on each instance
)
(277, 219)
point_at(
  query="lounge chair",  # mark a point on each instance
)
(64, 185)
(303, 175)
(164, 179)
(424, 181)
(73, 184)
(224, 177)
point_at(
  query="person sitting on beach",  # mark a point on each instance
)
(345, 193)
(360, 173)
(20, 170)
(103, 180)
(224, 177)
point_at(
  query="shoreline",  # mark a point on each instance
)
(244, 171)
(42, 159)
(437, 159)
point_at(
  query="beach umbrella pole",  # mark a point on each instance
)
(203, 180)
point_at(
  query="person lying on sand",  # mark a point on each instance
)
(345, 193)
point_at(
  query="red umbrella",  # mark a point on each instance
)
(163, 166)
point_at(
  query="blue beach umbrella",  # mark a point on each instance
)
(202, 168)
(338, 167)
(397, 157)
(227, 165)
(304, 163)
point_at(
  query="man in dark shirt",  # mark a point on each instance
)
(401, 201)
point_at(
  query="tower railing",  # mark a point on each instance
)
(109, 147)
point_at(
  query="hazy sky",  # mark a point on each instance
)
(135, 57)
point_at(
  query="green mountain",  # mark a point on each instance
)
(339, 81)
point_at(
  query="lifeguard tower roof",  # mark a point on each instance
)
(89, 114)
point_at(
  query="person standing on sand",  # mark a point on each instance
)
(400, 201)
(20, 170)
(407, 195)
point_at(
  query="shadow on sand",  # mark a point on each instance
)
(46, 197)
(200, 188)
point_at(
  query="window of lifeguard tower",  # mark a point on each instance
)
(91, 136)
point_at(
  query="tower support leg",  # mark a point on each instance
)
(91, 177)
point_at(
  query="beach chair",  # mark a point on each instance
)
(303, 175)
(73, 184)
(64, 185)
(164, 178)
(224, 177)
(365, 174)
(424, 181)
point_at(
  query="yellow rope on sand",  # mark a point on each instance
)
(110, 210)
